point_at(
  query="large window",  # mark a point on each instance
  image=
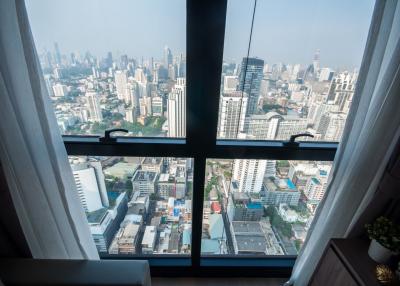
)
(290, 67)
(187, 79)
(260, 207)
(110, 64)
(136, 205)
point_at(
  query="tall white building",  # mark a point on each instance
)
(331, 126)
(249, 174)
(121, 81)
(326, 74)
(60, 90)
(232, 113)
(342, 89)
(89, 180)
(157, 106)
(270, 169)
(314, 189)
(93, 105)
(177, 109)
(230, 83)
(130, 115)
(132, 96)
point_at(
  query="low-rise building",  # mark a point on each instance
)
(149, 239)
(288, 214)
(127, 243)
(242, 208)
(152, 164)
(144, 182)
(279, 191)
(248, 238)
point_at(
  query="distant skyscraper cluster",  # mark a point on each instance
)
(91, 94)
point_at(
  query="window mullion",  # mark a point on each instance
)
(205, 43)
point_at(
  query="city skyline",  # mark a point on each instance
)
(291, 36)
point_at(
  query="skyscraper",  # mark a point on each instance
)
(89, 180)
(250, 76)
(230, 83)
(177, 109)
(121, 81)
(249, 174)
(57, 54)
(168, 58)
(92, 100)
(316, 62)
(232, 114)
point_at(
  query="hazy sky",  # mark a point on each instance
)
(286, 31)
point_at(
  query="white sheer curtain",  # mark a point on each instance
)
(32, 151)
(370, 135)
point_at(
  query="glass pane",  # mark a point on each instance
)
(300, 72)
(109, 64)
(260, 207)
(136, 205)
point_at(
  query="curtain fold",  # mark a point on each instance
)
(371, 133)
(32, 151)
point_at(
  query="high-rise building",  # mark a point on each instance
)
(177, 109)
(121, 82)
(89, 180)
(316, 62)
(230, 83)
(249, 174)
(168, 58)
(250, 76)
(342, 90)
(326, 74)
(130, 115)
(331, 126)
(92, 99)
(314, 190)
(232, 111)
(57, 54)
(270, 169)
(157, 106)
(60, 90)
(280, 191)
(291, 126)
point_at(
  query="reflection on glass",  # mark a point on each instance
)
(299, 72)
(136, 205)
(106, 64)
(260, 207)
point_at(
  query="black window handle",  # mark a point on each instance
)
(292, 141)
(107, 135)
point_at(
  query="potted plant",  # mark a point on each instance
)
(385, 239)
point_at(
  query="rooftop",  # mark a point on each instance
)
(97, 215)
(250, 243)
(149, 236)
(121, 169)
(144, 176)
(247, 227)
(210, 246)
(254, 205)
(151, 161)
(316, 181)
(216, 229)
(216, 207)
(279, 185)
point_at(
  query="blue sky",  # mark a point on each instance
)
(286, 31)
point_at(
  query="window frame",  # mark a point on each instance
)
(205, 28)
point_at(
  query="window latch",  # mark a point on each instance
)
(107, 135)
(292, 141)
